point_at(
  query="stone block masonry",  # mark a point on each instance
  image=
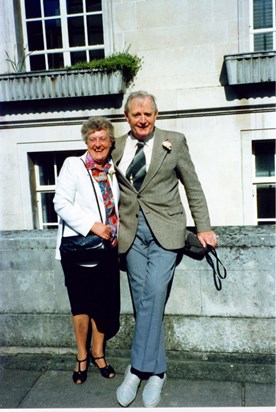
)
(199, 321)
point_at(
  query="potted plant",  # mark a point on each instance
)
(111, 75)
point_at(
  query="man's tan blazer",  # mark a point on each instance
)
(159, 197)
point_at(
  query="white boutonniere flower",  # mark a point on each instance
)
(111, 172)
(167, 145)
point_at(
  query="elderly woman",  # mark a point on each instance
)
(94, 292)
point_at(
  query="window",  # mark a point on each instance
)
(44, 169)
(264, 180)
(60, 33)
(263, 31)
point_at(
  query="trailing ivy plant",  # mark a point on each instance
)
(127, 63)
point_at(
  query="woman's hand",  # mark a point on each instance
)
(101, 230)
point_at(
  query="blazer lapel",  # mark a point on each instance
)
(117, 155)
(158, 155)
(118, 151)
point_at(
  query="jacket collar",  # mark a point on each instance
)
(158, 154)
(157, 158)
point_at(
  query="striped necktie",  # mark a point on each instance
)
(136, 171)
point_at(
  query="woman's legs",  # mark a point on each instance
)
(97, 343)
(83, 305)
(80, 324)
(97, 349)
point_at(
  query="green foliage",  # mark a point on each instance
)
(128, 64)
(17, 66)
(125, 62)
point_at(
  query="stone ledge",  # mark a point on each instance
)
(229, 236)
(182, 333)
(181, 365)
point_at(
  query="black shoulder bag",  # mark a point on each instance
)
(87, 250)
(194, 249)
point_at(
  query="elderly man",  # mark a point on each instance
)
(149, 163)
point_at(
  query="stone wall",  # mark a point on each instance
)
(240, 319)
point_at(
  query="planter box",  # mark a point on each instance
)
(249, 68)
(51, 84)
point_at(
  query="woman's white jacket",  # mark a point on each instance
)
(75, 202)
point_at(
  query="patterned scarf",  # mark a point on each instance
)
(101, 176)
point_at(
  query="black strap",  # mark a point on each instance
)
(100, 213)
(217, 266)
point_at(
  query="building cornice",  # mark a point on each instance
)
(162, 115)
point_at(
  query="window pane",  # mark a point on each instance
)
(55, 60)
(96, 54)
(263, 41)
(38, 62)
(46, 169)
(95, 29)
(60, 161)
(77, 57)
(264, 151)
(48, 213)
(61, 156)
(262, 14)
(266, 201)
(35, 38)
(74, 6)
(51, 8)
(76, 31)
(53, 34)
(32, 9)
(93, 5)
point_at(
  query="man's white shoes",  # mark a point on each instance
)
(127, 391)
(152, 392)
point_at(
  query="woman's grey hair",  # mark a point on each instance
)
(94, 124)
(140, 96)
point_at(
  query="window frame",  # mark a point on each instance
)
(25, 150)
(249, 180)
(38, 189)
(265, 180)
(107, 45)
(253, 31)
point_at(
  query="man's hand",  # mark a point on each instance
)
(207, 238)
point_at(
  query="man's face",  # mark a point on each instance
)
(141, 118)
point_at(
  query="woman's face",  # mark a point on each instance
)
(99, 145)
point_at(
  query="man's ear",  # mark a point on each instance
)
(126, 116)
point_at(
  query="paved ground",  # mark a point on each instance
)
(22, 387)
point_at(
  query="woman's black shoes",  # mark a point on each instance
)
(79, 376)
(107, 371)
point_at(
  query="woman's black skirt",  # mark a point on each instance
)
(95, 291)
